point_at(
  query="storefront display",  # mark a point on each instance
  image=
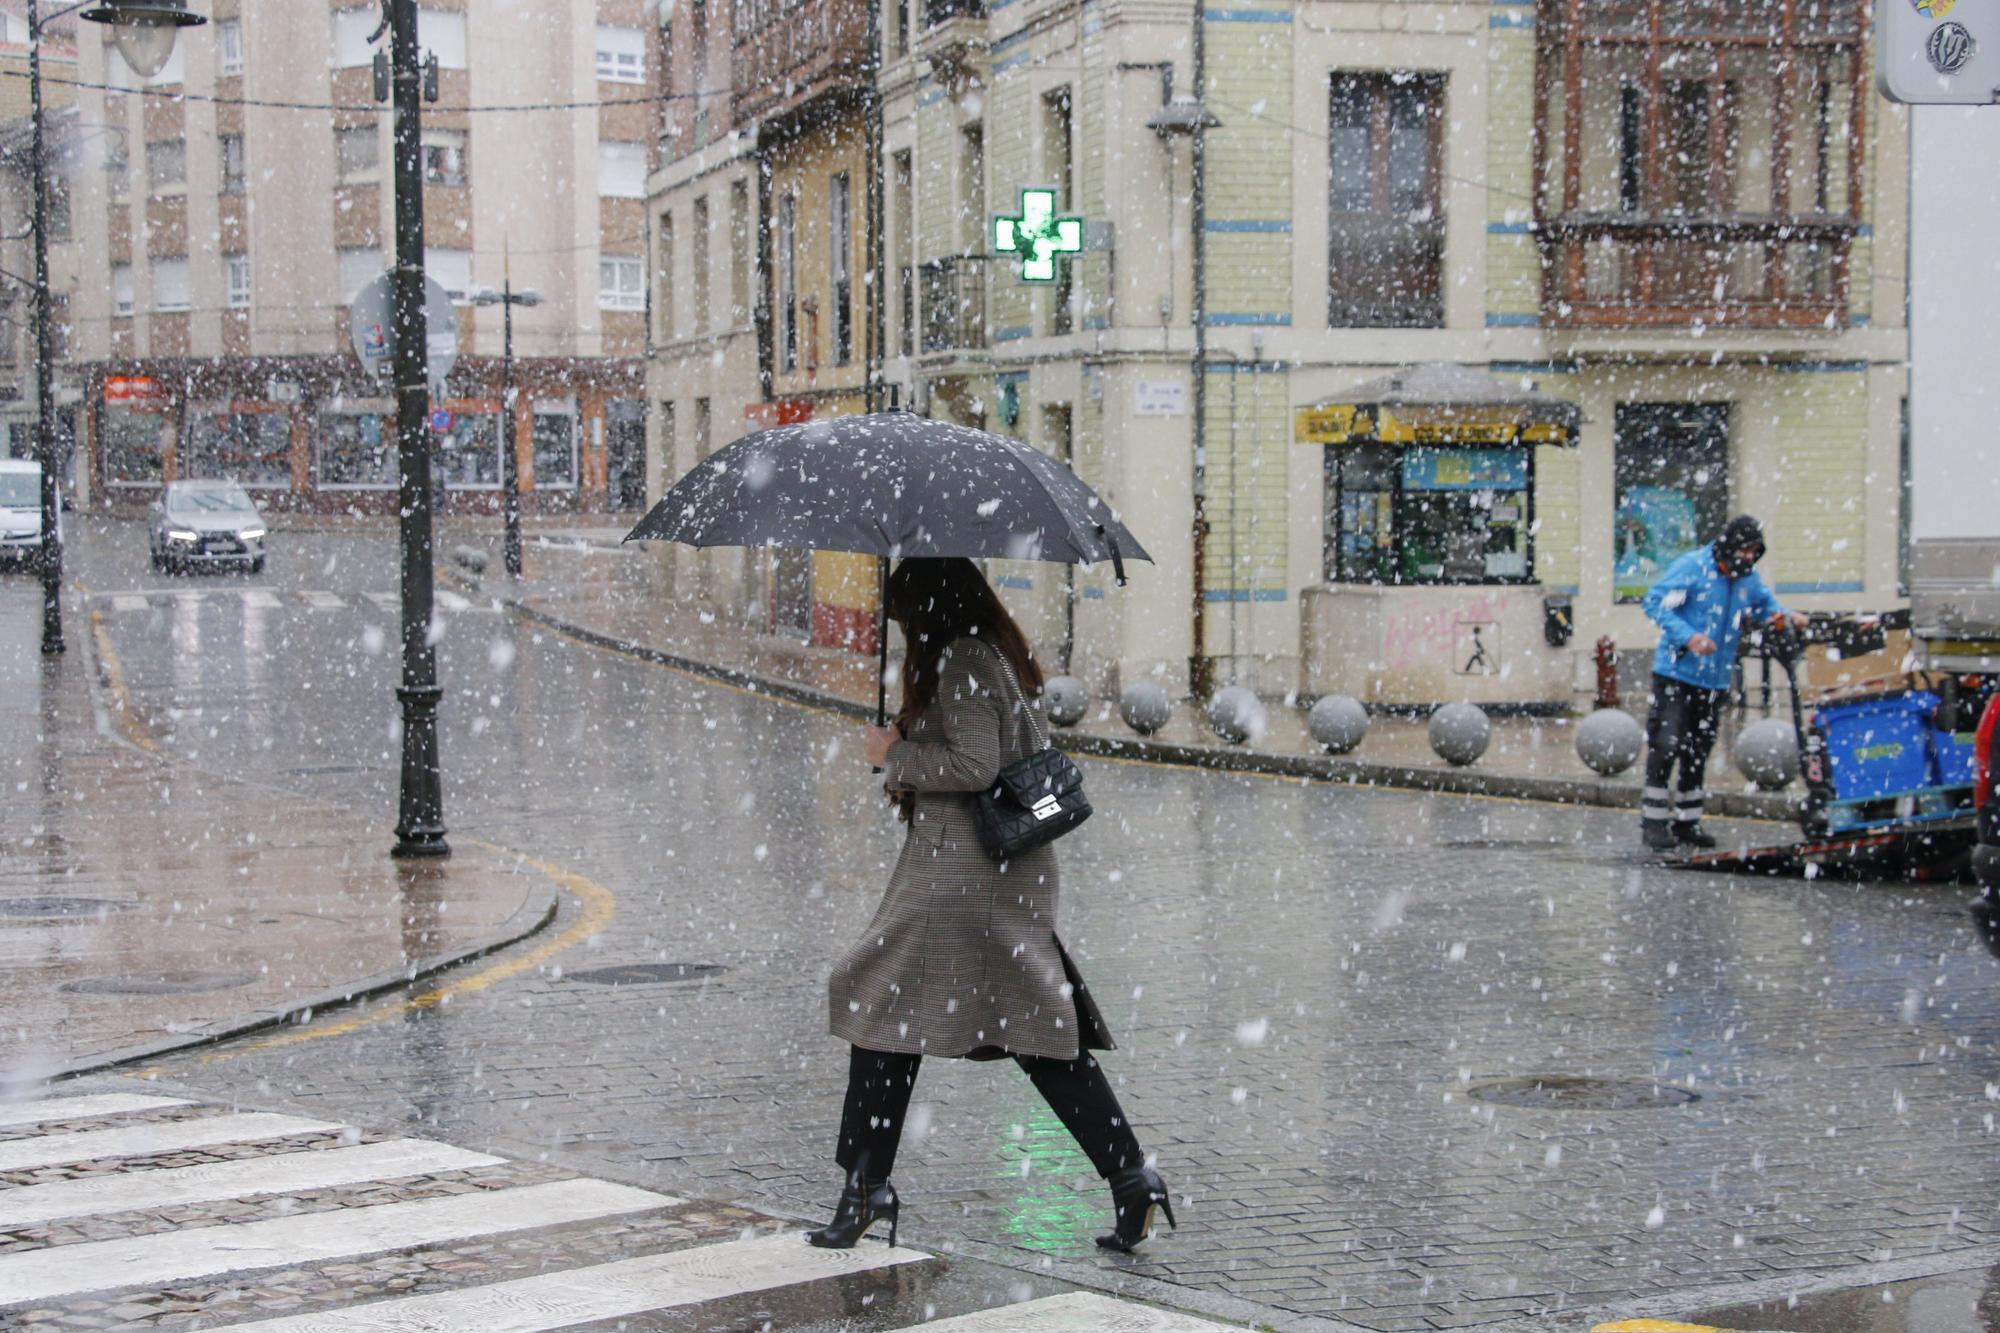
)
(468, 451)
(356, 447)
(251, 448)
(1672, 472)
(1430, 515)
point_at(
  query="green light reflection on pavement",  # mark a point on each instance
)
(1046, 1213)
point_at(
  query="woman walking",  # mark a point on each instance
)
(961, 959)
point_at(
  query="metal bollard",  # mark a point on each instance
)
(1607, 673)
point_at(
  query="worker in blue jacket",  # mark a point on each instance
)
(1701, 605)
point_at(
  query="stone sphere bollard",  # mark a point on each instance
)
(1146, 706)
(1337, 723)
(1065, 699)
(1767, 753)
(1460, 732)
(1236, 714)
(1609, 741)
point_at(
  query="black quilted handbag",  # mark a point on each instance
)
(1036, 800)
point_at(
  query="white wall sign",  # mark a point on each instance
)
(1938, 51)
(1160, 398)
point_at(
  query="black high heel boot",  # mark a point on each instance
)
(862, 1204)
(1135, 1196)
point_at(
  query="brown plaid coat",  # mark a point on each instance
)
(962, 956)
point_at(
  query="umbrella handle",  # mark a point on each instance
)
(882, 646)
(1117, 563)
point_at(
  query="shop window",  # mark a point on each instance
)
(1429, 515)
(1672, 473)
(1385, 216)
(555, 448)
(468, 455)
(250, 448)
(356, 449)
(134, 439)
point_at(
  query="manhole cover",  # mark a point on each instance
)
(158, 983)
(1568, 1092)
(51, 908)
(646, 974)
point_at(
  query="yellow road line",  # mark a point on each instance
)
(113, 672)
(599, 906)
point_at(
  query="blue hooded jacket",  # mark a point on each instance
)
(1693, 597)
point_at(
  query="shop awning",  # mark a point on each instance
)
(1439, 402)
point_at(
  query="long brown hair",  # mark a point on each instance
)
(937, 600)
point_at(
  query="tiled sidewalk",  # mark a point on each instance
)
(584, 580)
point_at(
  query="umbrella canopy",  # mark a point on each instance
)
(891, 484)
(1439, 401)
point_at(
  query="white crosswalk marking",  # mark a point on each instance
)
(603, 1291)
(81, 1108)
(161, 1136)
(1075, 1312)
(181, 1256)
(260, 600)
(343, 1214)
(387, 601)
(320, 600)
(130, 601)
(26, 1205)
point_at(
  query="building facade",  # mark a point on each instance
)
(1687, 217)
(240, 200)
(67, 140)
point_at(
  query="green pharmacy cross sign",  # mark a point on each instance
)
(1038, 235)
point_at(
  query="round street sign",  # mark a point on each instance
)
(373, 334)
(441, 420)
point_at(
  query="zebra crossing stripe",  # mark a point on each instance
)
(1075, 1312)
(387, 601)
(28, 1205)
(320, 600)
(615, 1290)
(153, 1137)
(130, 601)
(171, 1257)
(258, 599)
(81, 1108)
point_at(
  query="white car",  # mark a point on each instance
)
(206, 523)
(21, 509)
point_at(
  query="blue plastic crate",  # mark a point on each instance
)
(1879, 746)
(1955, 766)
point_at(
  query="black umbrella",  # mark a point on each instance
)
(891, 484)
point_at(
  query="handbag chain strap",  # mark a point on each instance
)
(1007, 669)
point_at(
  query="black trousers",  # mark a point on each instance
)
(1680, 732)
(879, 1084)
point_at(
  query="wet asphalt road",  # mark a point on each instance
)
(1307, 984)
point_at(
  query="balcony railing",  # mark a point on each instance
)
(1619, 270)
(821, 46)
(954, 303)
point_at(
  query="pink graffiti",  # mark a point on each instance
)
(1408, 637)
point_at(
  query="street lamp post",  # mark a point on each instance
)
(145, 33)
(510, 452)
(420, 821)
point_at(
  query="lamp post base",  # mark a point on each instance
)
(420, 830)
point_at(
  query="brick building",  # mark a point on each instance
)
(235, 204)
(1686, 217)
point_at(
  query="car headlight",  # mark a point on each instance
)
(252, 534)
(180, 535)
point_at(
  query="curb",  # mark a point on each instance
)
(531, 917)
(1319, 768)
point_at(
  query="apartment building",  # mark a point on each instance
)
(243, 197)
(67, 139)
(1686, 217)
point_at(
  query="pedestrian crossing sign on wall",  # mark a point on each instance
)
(1037, 235)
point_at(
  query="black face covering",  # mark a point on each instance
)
(1740, 546)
